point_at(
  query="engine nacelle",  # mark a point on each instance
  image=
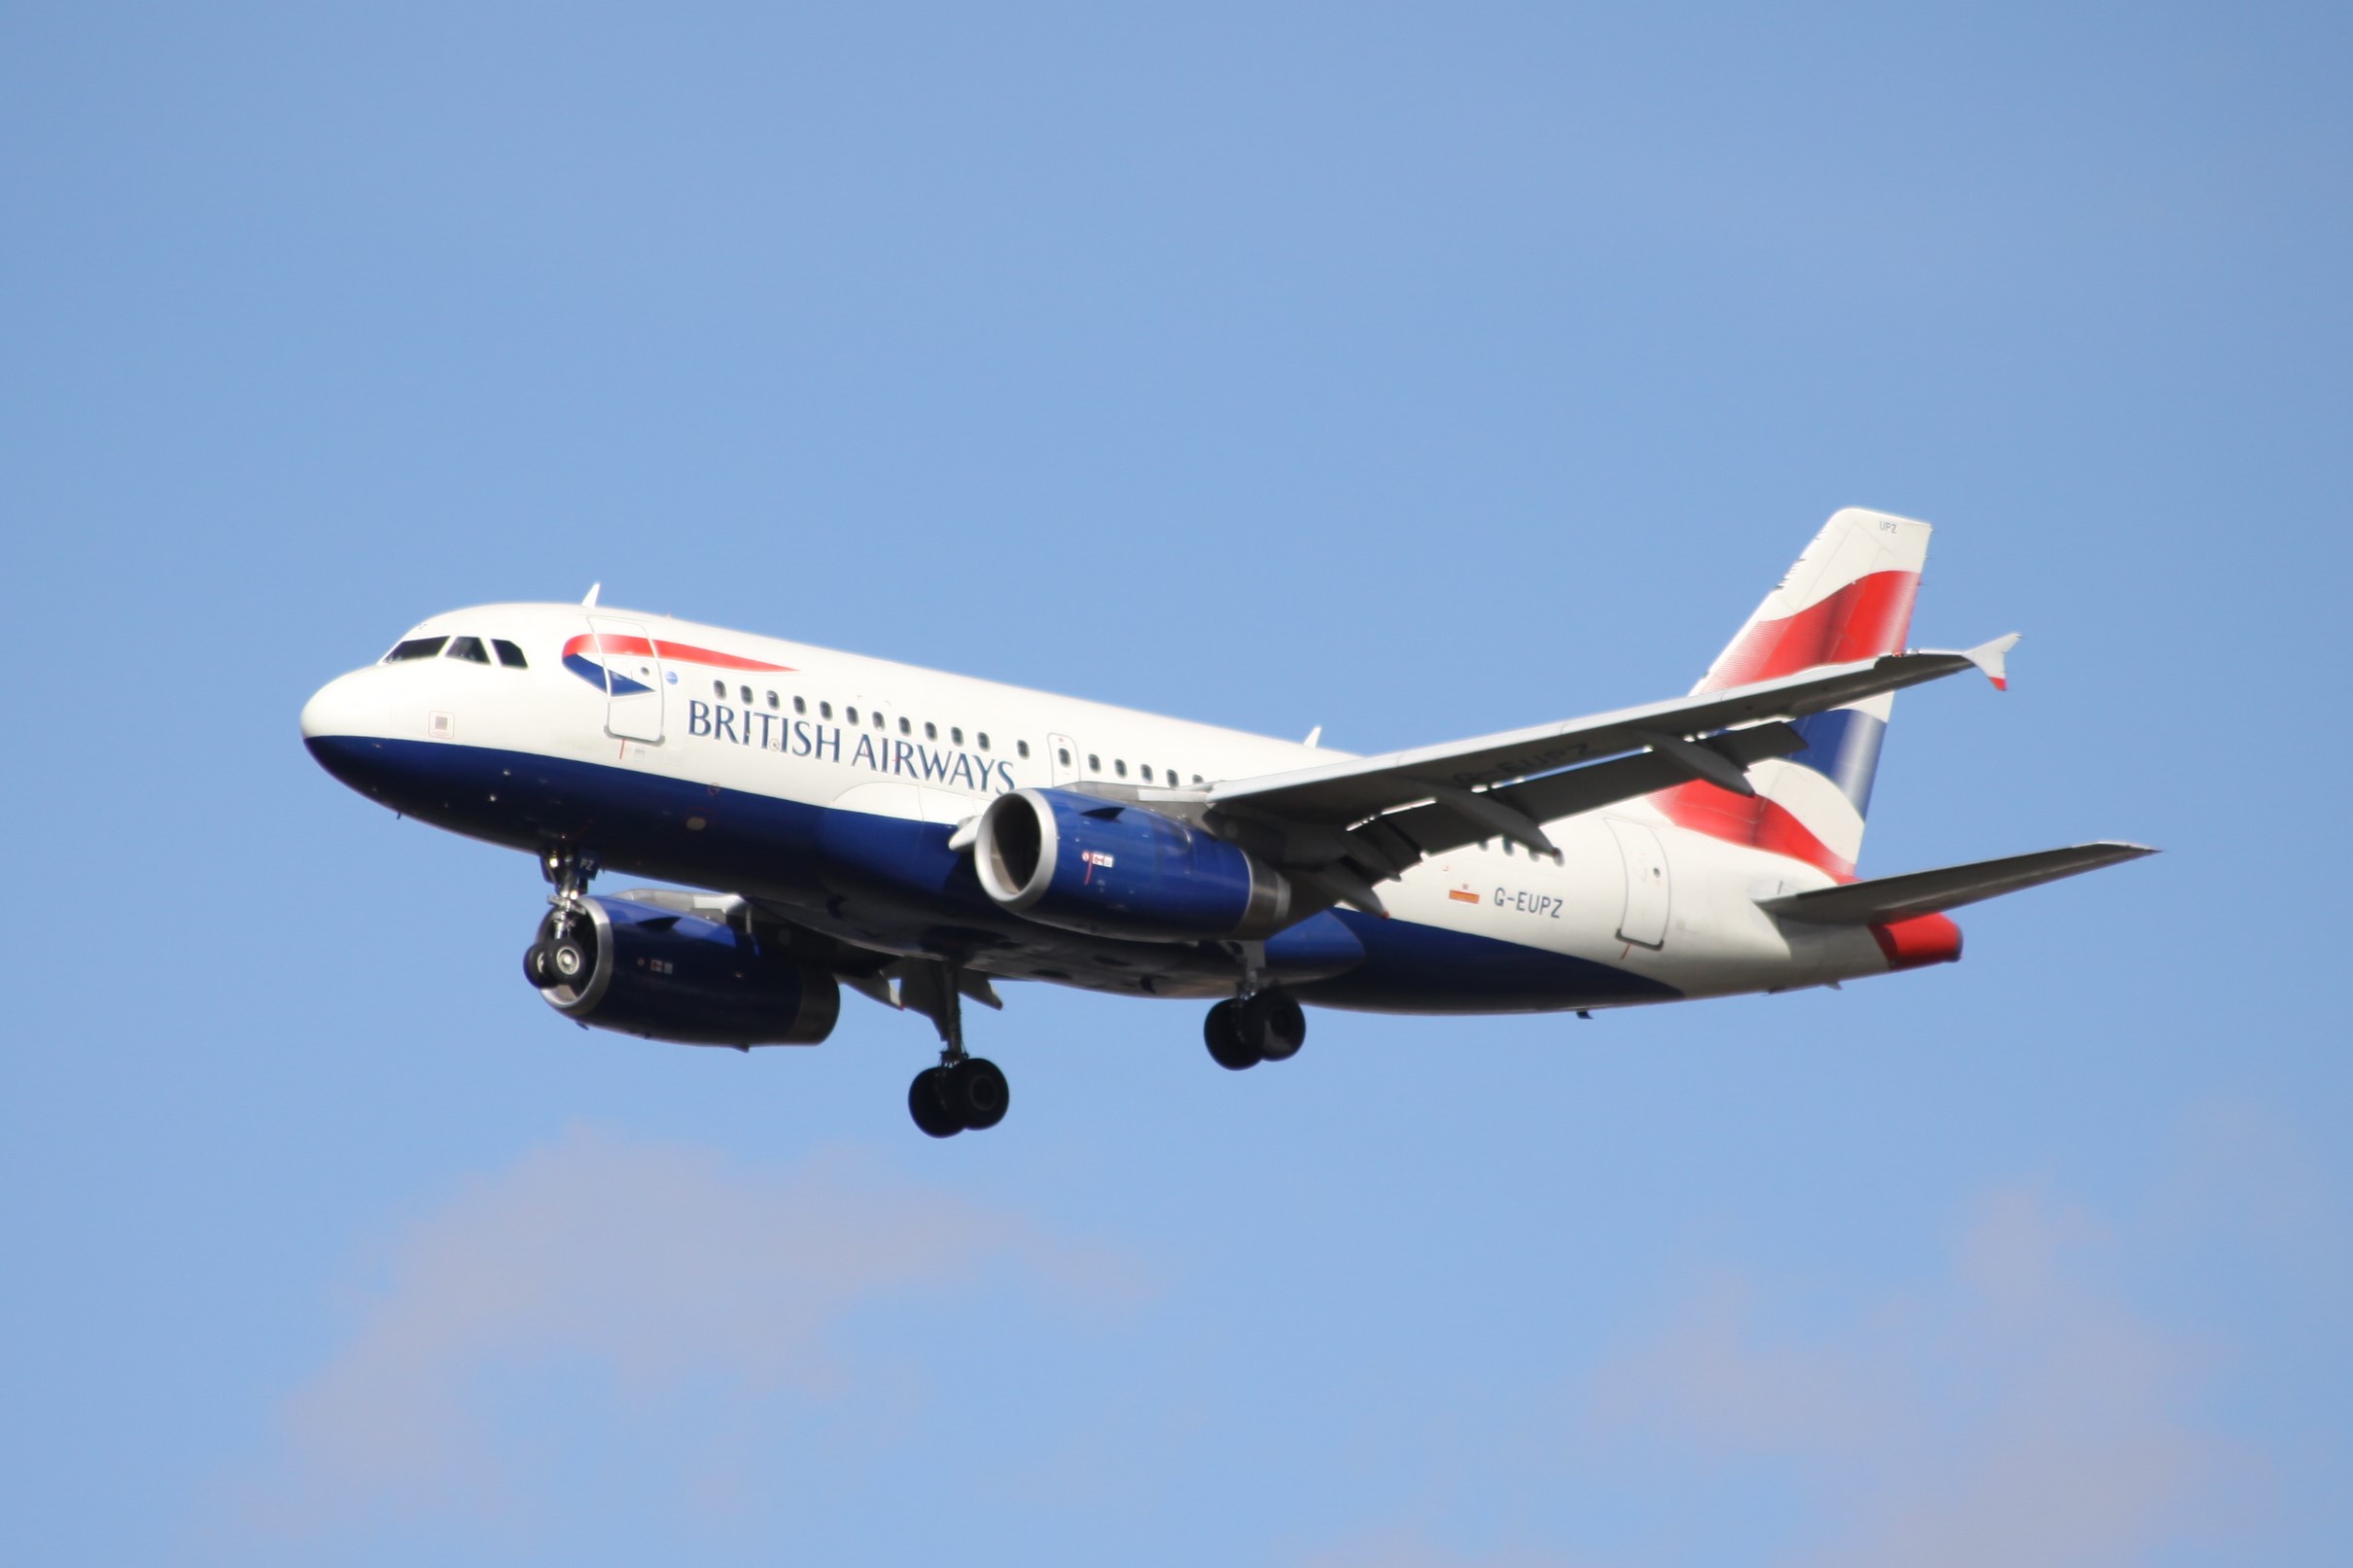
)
(669, 975)
(1113, 869)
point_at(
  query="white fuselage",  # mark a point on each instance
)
(773, 736)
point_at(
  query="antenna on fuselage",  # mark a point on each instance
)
(1315, 737)
(588, 599)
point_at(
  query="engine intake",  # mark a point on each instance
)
(668, 975)
(1118, 870)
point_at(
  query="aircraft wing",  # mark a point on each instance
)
(1929, 892)
(1382, 814)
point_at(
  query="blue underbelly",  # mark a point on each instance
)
(896, 883)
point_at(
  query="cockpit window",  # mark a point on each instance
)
(468, 649)
(416, 647)
(509, 654)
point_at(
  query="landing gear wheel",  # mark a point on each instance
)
(571, 960)
(1273, 1026)
(537, 967)
(928, 1104)
(1222, 1030)
(976, 1093)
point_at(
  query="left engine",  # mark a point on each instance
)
(679, 974)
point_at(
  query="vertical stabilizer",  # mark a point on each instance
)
(1849, 597)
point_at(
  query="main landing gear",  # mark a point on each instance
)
(964, 1094)
(1261, 1026)
(969, 1095)
(565, 954)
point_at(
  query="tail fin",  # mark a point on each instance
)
(1849, 597)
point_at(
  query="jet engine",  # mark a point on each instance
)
(671, 974)
(1113, 869)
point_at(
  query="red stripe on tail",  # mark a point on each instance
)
(1748, 820)
(1868, 617)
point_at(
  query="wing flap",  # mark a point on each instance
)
(1354, 790)
(1434, 828)
(1930, 892)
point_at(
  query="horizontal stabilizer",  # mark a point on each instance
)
(1926, 892)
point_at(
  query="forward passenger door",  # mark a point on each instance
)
(633, 679)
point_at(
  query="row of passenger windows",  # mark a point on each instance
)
(956, 734)
(825, 710)
(468, 649)
(1119, 770)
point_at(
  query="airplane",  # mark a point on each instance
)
(833, 821)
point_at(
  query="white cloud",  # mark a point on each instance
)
(2014, 1412)
(661, 1266)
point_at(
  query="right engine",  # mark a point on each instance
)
(677, 974)
(1115, 870)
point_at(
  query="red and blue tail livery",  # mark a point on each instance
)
(828, 823)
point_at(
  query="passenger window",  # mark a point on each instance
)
(880, 722)
(1147, 773)
(1023, 747)
(930, 730)
(825, 710)
(746, 691)
(718, 689)
(772, 699)
(509, 655)
(416, 647)
(1196, 778)
(850, 714)
(1094, 763)
(983, 739)
(1064, 756)
(956, 736)
(800, 704)
(1120, 766)
(468, 649)
(905, 727)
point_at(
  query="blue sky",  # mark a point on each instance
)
(1411, 372)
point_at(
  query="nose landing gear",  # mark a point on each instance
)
(964, 1094)
(565, 954)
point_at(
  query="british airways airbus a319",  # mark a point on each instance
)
(919, 837)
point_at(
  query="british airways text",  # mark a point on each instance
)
(801, 737)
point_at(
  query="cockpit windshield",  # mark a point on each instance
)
(472, 649)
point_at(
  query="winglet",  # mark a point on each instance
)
(588, 599)
(1988, 657)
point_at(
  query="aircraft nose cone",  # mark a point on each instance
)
(334, 710)
(345, 729)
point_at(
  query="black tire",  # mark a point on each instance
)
(928, 1104)
(536, 967)
(1222, 1031)
(572, 960)
(1273, 1025)
(978, 1093)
